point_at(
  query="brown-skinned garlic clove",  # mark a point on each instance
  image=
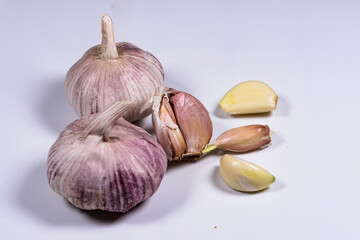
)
(242, 139)
(187, 122)
(113, 71)
(177, 142)
(103, 162)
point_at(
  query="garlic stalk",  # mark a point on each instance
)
(242, 139)
(113, 71)
(182, 125)
(101, 161)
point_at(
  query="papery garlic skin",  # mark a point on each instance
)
(244, 176)
(112, 171)
(175, 142)
(249, 97)
(243, 139)
(188, 122)
(193, 119)
(110, 72)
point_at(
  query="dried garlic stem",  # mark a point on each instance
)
(108, 44)
(107, 118)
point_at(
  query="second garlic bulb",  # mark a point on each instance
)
(113, 71)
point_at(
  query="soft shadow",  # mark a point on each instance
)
(145, 124)
(221, 114)
(172, 194)
(176, 165)
(219, 182)
(37, 198)
(54, 109)
(174, 78)
(276, 140)
(108, 217)
(276, 186)
(283, 107)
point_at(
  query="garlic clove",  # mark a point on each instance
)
(103, 162)
(186, 119)
(113, 71)
(249, 97)
(244, 176)
(243, 139)
(175, 136)
(194, 121)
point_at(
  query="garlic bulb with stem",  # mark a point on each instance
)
(101, 161)
(182, 125)
(113, 71)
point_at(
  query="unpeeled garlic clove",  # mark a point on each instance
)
(175, 146)
(194, 121)
(244, 176)
(249, 97)
(101, 161)
(242, 139)
(187, 114)
(113, 71)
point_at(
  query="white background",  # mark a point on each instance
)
(307, 51)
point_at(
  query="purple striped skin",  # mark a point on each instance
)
(114, 175)
(93, 83)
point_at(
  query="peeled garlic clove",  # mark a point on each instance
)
(113, 71)
(249, 97)
(244, 176)
(187, 119)
(243, 139)
(103, 162)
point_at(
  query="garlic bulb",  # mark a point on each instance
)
(103, 162)
(242, 139)
(182, 125)
(113, 71)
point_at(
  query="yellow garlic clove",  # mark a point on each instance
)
(249, 97)
(243, 139)
(244, 176)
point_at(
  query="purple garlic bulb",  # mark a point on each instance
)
(113, 71)
(101, 161)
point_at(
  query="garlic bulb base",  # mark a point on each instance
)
(192, 157)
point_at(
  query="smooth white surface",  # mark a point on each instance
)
(307, 51)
